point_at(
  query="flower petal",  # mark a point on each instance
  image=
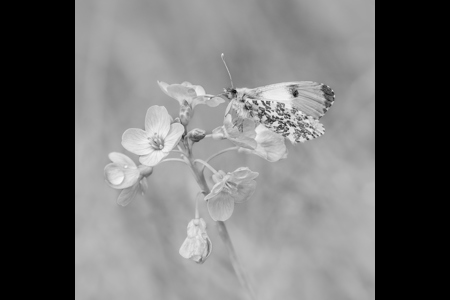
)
(199, 90)
(271, 146)
(216, 189)
(118, 157)
(243, 173)
(245, 190)
(163, 87)
(208, 100)
(221, 207)
(153, 158)
(214, 101)
(119, 177)
(246, 138)
(114, 175)
(173, 137)
(181, 93)
(127, 195)
(157, 120)
(135, 140)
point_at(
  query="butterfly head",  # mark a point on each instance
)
(230, 93)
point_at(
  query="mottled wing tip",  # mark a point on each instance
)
(328, 94)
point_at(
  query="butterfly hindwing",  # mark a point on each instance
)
(291, 123)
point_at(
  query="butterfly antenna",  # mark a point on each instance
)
(227, 70)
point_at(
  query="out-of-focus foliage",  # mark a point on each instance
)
(308, 232)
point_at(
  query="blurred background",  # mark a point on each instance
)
(309, 230)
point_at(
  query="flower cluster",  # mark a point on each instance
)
(163, 135)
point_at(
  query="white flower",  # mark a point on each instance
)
(123, 174)
(269, 145)
(158, 139)
(191, 93)
(235, 187)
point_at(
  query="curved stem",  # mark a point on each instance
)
(220, 152)
(174, 159)
(206, 165)
(178, 151)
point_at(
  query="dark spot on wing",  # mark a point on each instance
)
(293, 90)
(327, 90)
(328, 94)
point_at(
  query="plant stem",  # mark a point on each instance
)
(218, 153)
(223, 232)
(243, 280)
(205, 164)
(174, 159)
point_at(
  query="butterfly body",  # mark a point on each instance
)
(291, 109)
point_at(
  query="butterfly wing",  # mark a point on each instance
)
(291, 109)
(312, 98)
(289, 122)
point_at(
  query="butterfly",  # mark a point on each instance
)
(291, 109)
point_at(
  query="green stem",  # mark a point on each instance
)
(220, 152)
(178, 151)
(173, 159)
(206, 165)
(223, 232)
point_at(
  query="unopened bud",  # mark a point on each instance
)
(197, 246)
(145, 171)
(196, 134)
(185, 113)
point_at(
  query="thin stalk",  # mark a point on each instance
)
(206, 165)
(223, 232)
(178, 151)
(174, 159)
(220, 152)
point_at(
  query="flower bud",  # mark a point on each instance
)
(145, 171)
(185, 113)
(196, 134)
(197, 246)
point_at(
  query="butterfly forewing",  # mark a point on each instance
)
(291, 109)
(310, 97)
